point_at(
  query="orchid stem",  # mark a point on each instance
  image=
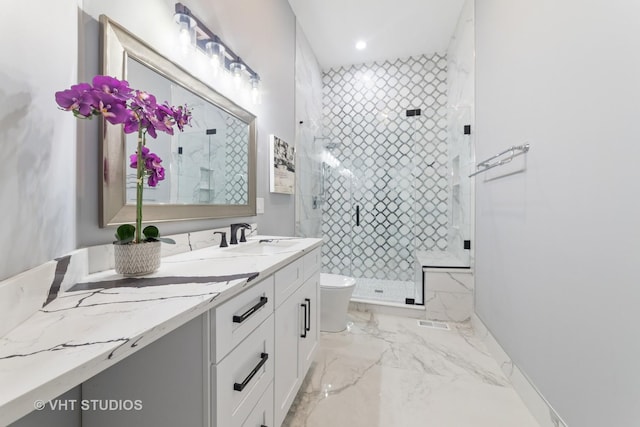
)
(139, 182)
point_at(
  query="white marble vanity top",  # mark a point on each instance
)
(105, 317)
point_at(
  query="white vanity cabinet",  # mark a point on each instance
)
(297, 317)
(242, 354)
(238, 365)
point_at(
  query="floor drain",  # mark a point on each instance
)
(433, 324)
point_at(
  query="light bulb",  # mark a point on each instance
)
(237, 69)
(255, 90)
(187, 33)
(185, 37)
(216, 53)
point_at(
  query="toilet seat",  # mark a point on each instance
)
(337, 281)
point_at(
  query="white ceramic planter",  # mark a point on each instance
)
(137, 259)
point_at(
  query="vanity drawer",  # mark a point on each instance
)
(239, 381)
(234, 320)
(262, 414)
(287, 280)
(311, 262)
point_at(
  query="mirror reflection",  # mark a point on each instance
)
(206, 164)
(210, 169)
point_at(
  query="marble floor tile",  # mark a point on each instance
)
(386, 371)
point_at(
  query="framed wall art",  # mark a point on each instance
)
(282, 168)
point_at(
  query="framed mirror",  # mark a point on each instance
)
(209, 168)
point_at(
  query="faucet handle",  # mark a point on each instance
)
(242, 236)
(223, 239)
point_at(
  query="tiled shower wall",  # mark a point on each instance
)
(392, 165)
(236, 190)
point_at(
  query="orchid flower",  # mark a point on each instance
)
(138, 111)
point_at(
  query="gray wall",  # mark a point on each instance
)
(49, 201)
(557, 245)
(37, 141)
(263, 34)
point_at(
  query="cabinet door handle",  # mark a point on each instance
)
(244, 316)
(304, 329)
(308, 313)
(263, 360)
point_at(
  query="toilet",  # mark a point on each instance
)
(335, 293)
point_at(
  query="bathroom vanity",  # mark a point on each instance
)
(216, 337)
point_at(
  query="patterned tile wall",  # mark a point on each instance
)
(393, 166)
(236, 190)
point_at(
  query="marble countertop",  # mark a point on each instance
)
(105, 317)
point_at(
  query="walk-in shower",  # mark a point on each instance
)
(387, 176)
(389, 167)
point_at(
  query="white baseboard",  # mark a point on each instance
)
(539, 407)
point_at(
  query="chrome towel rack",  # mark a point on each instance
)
(512, 151)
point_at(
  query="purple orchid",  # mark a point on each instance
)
(78, 99)
(154, 169)
(134, 157)
(118, 89)
(152, 166)
(182, 116)
(112, 109)
(138, 111)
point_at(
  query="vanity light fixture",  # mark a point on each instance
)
(216, 53)
(220, 55)
(187, 29)
(237, 71)
(254, 81)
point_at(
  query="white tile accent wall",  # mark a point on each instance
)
(393, 166)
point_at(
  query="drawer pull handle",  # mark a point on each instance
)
(308, 313)
(263, 360)
(248, 313)
(304, 328)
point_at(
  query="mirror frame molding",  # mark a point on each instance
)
(117, 45)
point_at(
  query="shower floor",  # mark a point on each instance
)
(385, 290)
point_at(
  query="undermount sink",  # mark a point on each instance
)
(264, 247)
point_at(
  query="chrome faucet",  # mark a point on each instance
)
(234, 232)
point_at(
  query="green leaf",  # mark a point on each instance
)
(125, 233)
(151, 232)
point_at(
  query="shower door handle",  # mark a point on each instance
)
(358, 216)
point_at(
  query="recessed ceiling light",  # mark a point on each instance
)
(361, 45)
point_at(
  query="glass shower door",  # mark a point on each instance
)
(383, 229)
